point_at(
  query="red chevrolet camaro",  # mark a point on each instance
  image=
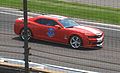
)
(60, 29)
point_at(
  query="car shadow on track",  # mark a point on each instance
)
(55, 44)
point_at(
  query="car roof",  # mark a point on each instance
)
(56, 17)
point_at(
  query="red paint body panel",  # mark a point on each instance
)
(61, 35)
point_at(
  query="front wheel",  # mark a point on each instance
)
(75, 42)
(22, 34)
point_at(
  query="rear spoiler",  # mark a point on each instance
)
(48, 68)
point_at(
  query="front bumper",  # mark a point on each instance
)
(95, 42)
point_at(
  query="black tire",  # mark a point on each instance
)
(28, 32)
(75, 42)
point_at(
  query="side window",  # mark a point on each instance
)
(42, 21)
(51, 23)
(46, 22)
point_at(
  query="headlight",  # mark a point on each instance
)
(96, 36)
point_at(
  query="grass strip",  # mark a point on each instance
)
(77, 10)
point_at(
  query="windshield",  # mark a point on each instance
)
(68, 23)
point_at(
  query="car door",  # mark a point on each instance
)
(55, 32)
(40, 28)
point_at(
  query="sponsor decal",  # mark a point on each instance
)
(51, 32)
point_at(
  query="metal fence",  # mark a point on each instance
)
(100, 14)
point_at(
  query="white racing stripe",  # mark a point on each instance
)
(89, 29)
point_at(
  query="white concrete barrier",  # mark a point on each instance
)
(41, 67)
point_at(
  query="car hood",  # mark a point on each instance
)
(87, 30)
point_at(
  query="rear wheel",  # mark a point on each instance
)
(75, 42)
(22, 34)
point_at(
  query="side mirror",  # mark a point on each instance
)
(58, 26)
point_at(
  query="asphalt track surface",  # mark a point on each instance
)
(107, 3)
(105, 60)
